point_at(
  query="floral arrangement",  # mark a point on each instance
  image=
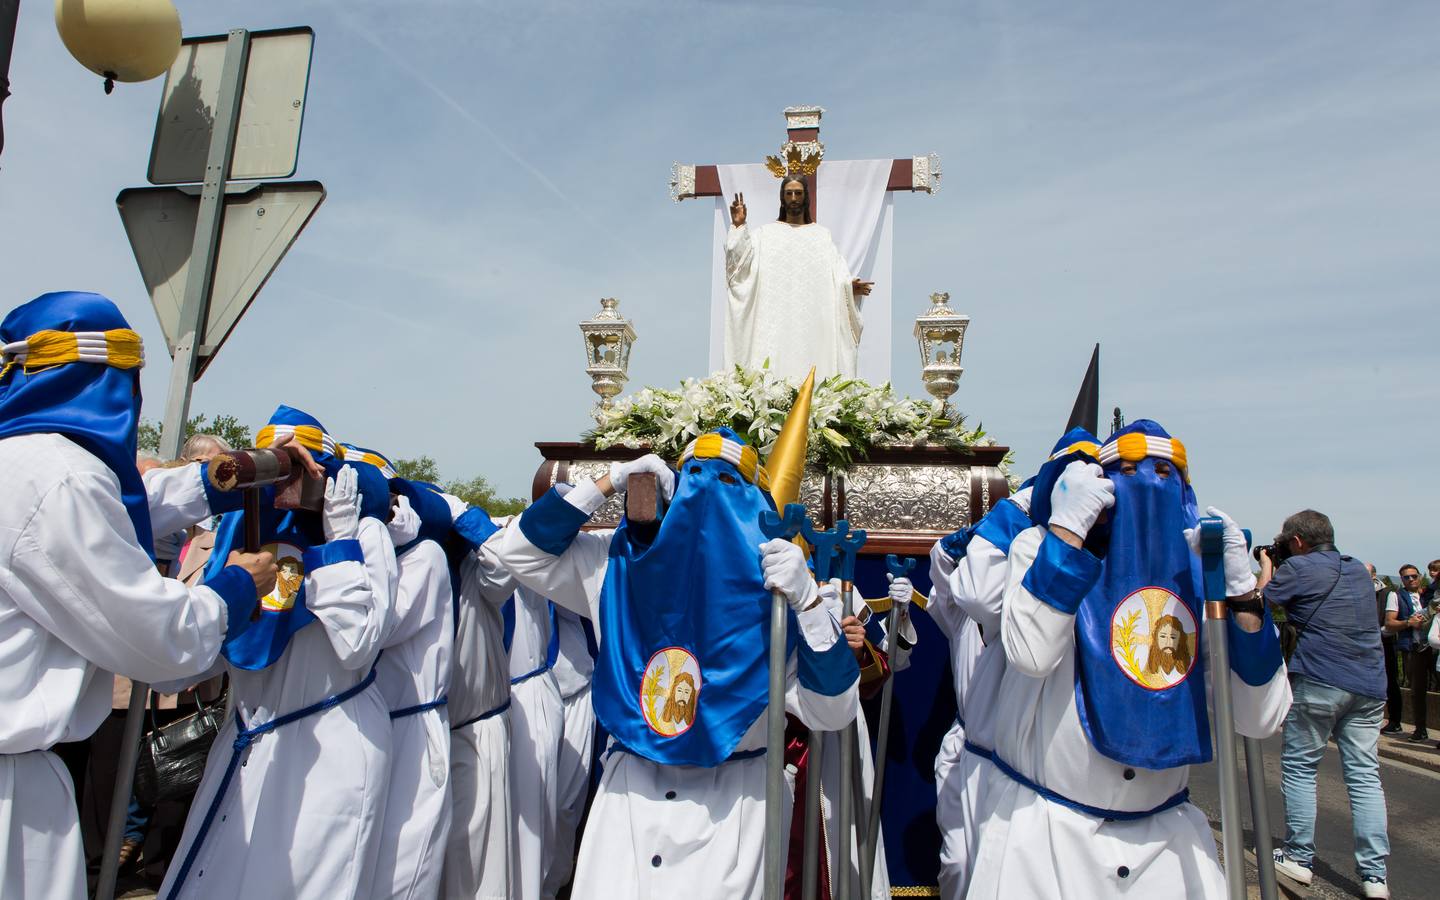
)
(848, 416)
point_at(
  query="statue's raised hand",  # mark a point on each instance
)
(737, 211)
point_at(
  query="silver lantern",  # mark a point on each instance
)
(608, 339)
(941, 333)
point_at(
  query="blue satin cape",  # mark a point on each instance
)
(697, 587)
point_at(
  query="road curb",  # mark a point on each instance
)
(1426, 755)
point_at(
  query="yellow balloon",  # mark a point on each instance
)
(127, 40)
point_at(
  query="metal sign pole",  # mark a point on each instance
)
(9, 16)
(177, 403)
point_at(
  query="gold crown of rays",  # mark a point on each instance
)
(796, 159)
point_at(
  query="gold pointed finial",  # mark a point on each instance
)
(786, 463)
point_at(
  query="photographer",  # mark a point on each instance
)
(1338, 679)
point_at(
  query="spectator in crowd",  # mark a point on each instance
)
(1335, 674)
(1394, 700)
(1405, 618)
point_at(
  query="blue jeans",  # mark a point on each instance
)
(1318, 712)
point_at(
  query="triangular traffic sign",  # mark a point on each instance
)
(260, 225)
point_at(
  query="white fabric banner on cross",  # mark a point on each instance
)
(853, 203)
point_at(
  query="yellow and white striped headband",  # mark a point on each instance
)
(1135, 446)
(310, 437)
(118, 347)
(353, 454)
(1087, 447)
(741, 456)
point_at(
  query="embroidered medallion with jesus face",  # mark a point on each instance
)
(289, 561)
(1153, 638)
(670, 691)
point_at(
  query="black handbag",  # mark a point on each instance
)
(172, 757)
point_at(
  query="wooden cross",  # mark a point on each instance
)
(802, 127)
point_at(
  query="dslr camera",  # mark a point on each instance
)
(1278, 549)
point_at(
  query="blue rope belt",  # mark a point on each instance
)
(521, 679)
(1109, 815)
(483, 716)
(419, 708)
(617, 747)
(552, 653)
(243, 739)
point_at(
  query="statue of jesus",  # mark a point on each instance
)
(793, 300)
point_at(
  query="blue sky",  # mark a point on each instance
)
(1238, 200)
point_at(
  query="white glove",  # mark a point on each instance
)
(829, 594)
(1080, 496)
(1021, 498)
(1239, 580)
(901, 590)
(342, 505)
(901, 593)
(786, 572)
(620, 473)
(457, 506)
(404, 524)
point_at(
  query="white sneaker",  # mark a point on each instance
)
(1376, 887)
(1298, 872)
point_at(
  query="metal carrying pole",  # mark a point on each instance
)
(1260, 818)
(776, 526)
(899, 569)
(850, 546)
(1217, 638)
(199, 282)
(822, 552)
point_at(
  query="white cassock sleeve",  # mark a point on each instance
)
(1036, 635)
(1259, 682)
(88, 583)
(569, 569)
(353, 600)
(822, 685)
(178, 498)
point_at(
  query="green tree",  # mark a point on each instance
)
(477, 491)
(423, 469)
(227, 427)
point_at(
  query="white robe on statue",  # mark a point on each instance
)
(79, 599)
(573, 671)
(1033, 847)
(480, 851)
(537, 726)
(791, 301)
(415, 670)
(302, 813)
(670, 831)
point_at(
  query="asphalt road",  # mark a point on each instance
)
(1412, 797)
